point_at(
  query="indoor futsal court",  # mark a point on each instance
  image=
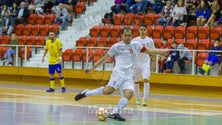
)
(24, 103)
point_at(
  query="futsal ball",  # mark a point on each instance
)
(102, 114)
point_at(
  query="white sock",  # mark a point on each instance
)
(98, 91)
(123, 102)
(146, 90)
(137, 90)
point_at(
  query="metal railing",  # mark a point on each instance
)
(35, 50)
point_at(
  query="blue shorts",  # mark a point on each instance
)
(55, 67)
(213, 59)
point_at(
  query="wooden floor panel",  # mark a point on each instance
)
(29, 104)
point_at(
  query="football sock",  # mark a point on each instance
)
(52, 83)
(61, 79)
(146, 90)
(137, 90)
(98, 91)
(123, 102)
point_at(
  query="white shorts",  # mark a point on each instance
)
(120, 81)
(142, 71)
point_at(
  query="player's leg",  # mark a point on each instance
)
(98, 91)
(146, 86)
(61, 77)
(127, 88)
(112, 85)
(52, 78)
(137, 76)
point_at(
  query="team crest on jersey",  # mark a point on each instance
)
(51, 47)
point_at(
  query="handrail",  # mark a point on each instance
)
(194, 52)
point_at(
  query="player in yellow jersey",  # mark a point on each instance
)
(54, 47)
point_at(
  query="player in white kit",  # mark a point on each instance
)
(142, 65)
(122, 75)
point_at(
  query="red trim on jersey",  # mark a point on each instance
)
(143, 49)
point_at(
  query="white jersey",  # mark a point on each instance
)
(125, 56)
(142, 58)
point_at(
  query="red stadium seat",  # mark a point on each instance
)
(40, 40)
(30, 40)
(203, 44)
(203, 32)
(168, 32)
(91, 42)
(99, 53)
(27, 30)
(102, 42)
(191, 32)
(149, 18)
(104, 31)
(215, 32)
(115, 31)
(138, 19)
(128, 19)
(81, 42)
(67, 55)
(157, 32)
(35, 30)
(77, 55)
(117, 19)
(31, 19)
(111, 41)
(22, 40)
(179, 32)
(94, 31)
(191, 44)
(201, 57)
(180, 41)
(44, 30)
(18, 29)
(156, 17)
(158, 43)
(136, 31)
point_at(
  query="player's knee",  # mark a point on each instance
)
(60, 74)
(137, 82)
(129, 95)
(108, 91)
(146, 80)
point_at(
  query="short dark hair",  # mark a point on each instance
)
(174, 42)
(217, 40)
(127, 29)
(165, 39)
(143, 25)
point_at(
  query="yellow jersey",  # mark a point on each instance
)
(54, 50)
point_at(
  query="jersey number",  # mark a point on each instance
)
(131, 51)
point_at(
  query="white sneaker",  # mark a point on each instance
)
(138, 101)
(144, 103)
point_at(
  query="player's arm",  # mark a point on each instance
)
(101, 61)
(43, 57)
(60, 58)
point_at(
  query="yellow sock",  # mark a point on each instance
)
(207, 68)
(52, 83)
(204, 67)
(61, 79)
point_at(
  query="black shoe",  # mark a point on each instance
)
(182, 72)
(10, 63)
(81, 95)
(2, 59)
(201, 71)
(116, 117)
(50, 90)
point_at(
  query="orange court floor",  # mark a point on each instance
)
(27, 103)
